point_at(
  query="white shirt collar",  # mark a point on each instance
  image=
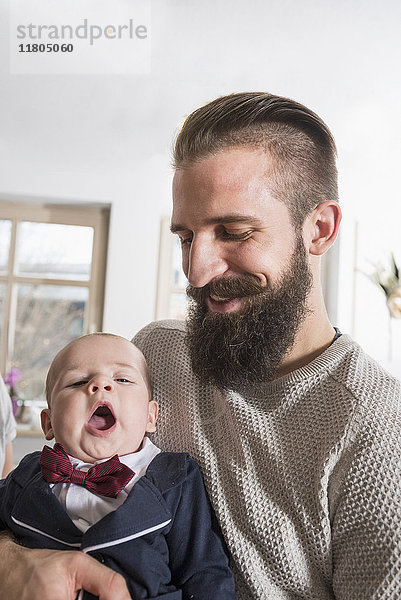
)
(85, 508)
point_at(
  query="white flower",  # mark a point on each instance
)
(390, 282)
(394, 303)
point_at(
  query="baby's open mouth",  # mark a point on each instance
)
(102, 419)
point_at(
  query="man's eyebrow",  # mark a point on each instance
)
(246, 219)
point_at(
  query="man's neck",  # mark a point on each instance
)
(313, 337)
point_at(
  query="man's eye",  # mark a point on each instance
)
(185, 239)
(226, 235)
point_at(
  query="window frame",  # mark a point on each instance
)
(90, 215)
(166, 288)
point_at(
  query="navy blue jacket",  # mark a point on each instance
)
(164, 539)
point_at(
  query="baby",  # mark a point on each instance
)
(145, 514)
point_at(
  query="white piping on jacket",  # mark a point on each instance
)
(75, 545)
(126, 539)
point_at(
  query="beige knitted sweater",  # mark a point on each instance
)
(304, 472)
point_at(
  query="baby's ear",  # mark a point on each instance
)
(153, 409)
(46, 423)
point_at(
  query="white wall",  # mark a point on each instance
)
(108, 138)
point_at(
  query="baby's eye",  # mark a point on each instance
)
(79, 383)
(122, 380)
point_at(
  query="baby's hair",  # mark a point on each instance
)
(50, 374)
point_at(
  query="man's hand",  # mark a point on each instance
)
(27, 574)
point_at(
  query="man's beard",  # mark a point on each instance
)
(233, 350)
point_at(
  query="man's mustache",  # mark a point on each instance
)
(227, 288)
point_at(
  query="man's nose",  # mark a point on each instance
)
(100, 383)
(204, 263)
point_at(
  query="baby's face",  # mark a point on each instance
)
(100, 400)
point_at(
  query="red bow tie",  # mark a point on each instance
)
(107, 478)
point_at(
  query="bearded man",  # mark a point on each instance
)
(297, 431)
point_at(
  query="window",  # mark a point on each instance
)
(52, 272)
(171, 297)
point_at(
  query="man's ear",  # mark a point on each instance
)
(321, 227)
(153, 409)
(46, 423)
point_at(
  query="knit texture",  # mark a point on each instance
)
(304, 472)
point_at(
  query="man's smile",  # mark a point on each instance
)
(223, 305)
(227, 295)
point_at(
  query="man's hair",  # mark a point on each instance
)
(50, 374)
(303, 169)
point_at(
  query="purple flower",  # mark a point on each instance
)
(12, 377)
